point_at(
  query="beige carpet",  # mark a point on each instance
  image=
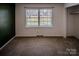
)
(41, 46)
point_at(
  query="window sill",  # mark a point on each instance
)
(39, 27)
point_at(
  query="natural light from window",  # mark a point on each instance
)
(39, 17)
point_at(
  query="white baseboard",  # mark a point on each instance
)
(7, 42)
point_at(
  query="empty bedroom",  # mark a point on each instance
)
(39, 29)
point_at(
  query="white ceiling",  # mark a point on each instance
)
(70, 4)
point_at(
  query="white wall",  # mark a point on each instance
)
(59, 26)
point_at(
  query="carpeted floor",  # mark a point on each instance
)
(41, 46)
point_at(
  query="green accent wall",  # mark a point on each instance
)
(7, 22)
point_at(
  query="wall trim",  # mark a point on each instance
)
(7, 42)
(39, 36)
(71, 37)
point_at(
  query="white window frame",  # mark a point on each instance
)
(38, 16)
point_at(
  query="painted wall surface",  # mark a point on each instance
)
(7, 25)
(59, 24)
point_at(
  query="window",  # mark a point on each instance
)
(39, 17)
